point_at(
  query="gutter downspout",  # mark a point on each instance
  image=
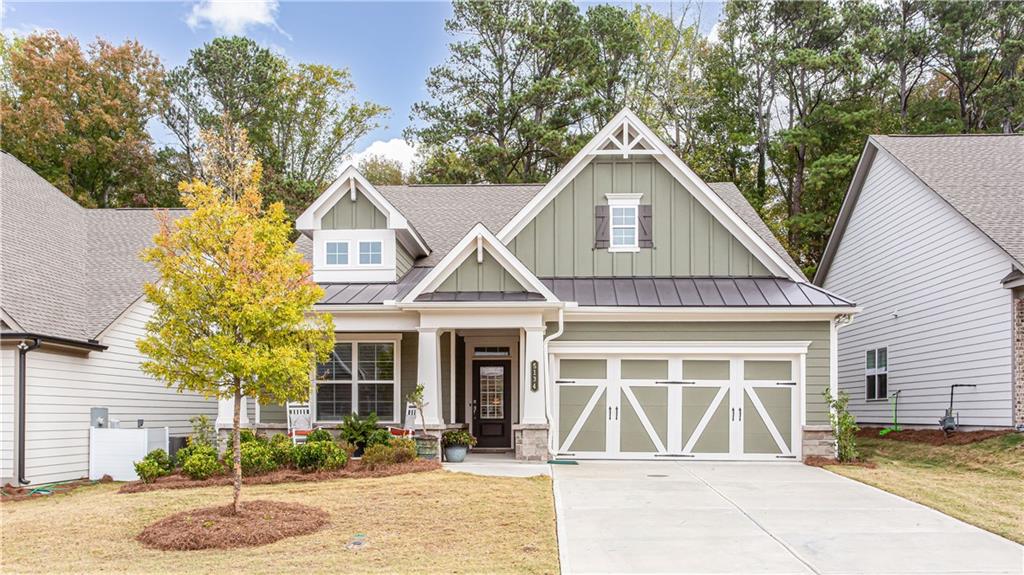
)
(552, 447)
(23, 349)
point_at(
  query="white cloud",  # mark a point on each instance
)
(394, 149)
(713, 34)
(234, 17)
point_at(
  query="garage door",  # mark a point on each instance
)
(677, 407)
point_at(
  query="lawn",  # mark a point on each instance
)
(422, 522)
(980, 483)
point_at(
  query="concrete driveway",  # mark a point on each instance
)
(700, 517)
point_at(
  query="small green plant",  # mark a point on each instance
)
(378, 436)
(281, 448)
(844, 425)
(201, 466)
(319, 434)
(160, 457)
(202, 430)
(319, 456)
(458, 437)
(405, 449)
(357, 431)
(191, 449)
(248, 435)
(377, 456)
(257, 458)
(416, 398)
(347, 447)
(148, 470)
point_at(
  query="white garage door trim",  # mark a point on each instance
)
(614, 393)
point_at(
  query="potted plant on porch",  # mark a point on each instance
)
(426, 445)
(456, 443)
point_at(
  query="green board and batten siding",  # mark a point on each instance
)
(817, 332)
(358, 215)
(403, 261)
(688, 240)
(488, 276)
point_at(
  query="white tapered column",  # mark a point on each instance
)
(428, 374)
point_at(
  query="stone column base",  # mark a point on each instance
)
(531, 442)
(818, 441)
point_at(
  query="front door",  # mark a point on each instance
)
(492, 403)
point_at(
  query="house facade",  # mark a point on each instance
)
(930, 240)
(71, 309)
(624, 310)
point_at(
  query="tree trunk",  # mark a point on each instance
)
(236, 447)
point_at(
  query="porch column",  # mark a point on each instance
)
(533, 400)
(428, 374)
(226, 414)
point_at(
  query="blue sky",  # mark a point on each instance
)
(389, 47)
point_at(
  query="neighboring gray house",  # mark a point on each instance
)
(71, 282)
(930, 241)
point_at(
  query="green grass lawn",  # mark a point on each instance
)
(980, 483)
(433, 522)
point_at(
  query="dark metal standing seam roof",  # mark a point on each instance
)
(692, 292)
(371, 293)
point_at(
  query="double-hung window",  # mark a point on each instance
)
(876, 369)
(359, 378)
(337, 253)
(369, 253)
(624, 227)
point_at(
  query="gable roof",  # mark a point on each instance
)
(981, 176)
(68, 271)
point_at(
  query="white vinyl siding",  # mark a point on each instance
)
(8, 358)
(63, 386)
(929, 283)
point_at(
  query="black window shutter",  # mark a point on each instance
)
(646, 231)
(601, 227)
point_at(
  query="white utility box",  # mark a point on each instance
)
(114, 451)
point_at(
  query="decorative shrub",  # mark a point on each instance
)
(201, 465)
(405, 449)
(183, 454)
(319, 456)
(248, 435)
(378, 436)
(347, 447)
(457, 437)
(281, 447)
(384, 454)
(148, 470)
(257, 458)
(319, 435)
(357, 431)
(844, 425)
(202, 430)
(161, 459)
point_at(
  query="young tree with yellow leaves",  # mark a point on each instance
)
(232, 304)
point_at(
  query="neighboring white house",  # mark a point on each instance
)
(70, 313)
(930, 241)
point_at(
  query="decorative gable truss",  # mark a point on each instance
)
(513, 282)
(350, 242)
(627, 136)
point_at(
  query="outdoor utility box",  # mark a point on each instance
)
(99, 417)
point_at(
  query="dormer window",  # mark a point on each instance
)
(369, 253)
(624, 223)
(337, 253)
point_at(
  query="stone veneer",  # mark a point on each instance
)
(531, 442)
(818, 441)
(1018, 359)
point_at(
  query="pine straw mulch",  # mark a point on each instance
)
(818, 461)
(258, 523)
(354, 470)
(11, 493)
(934, 436)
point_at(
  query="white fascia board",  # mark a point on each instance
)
(654, 314)
(6, 317)
(658, 348)
(679, 170)
(466, 247)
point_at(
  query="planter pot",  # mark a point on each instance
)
(426, 446)
(456, 453)
(358, 452)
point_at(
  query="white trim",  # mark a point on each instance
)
(620, 201)
(15, 326)
(658, 348)
(480, 235)
(675, 166)
(354, 271)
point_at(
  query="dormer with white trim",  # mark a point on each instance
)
(358, 235)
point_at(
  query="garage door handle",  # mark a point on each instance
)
(609, 413)
(741, 414)
(616, 413)
(732, 414)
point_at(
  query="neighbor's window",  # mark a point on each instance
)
(337, 253)
(369, 253)
(623, 227)
(372, 382)
(876, 368)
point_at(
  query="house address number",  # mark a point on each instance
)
(534, 375)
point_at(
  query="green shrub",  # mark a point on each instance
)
(357, 431)
(201, 465)
(148, 470)
(347, 447)
(844, 425)
(378, 436)
(457, 437)
(405, 449)
(281, 448)
(319, 456)
(319, 435)
(191, 449)
(248, 435)
(202, 430)
(384, 454)
(161, 459)
(257, 458)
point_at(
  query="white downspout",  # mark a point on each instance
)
(552, 446)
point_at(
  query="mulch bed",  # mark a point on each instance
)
(354, 470)
(935, 436)
(11, 493)
(258, 523)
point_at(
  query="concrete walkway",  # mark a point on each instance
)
(498, 465)
(702, 517)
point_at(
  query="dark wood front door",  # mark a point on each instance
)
(492, 403)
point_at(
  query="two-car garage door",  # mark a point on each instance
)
(700, 407)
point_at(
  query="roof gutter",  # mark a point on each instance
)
(90, 344)
(23, 349)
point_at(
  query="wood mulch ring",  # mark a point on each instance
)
(935, 436)
(354, 470)
(258, 523)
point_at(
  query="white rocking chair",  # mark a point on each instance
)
(300, 422)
